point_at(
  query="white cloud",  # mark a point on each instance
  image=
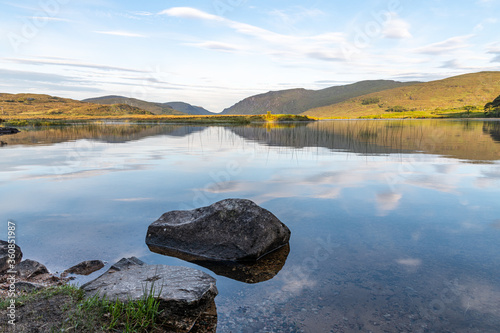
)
(446, 46)
(120, 33)
(188, 12)
(48, 18)
(220, 46)
(396, 28)
(322, 47)
(289, 17)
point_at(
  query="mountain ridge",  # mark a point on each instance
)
(156, 108)
(464, 92)
(299, 100)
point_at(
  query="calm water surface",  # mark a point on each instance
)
(395, 224)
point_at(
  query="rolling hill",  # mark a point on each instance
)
(296, 101)
(36, 105)
(189, 109)
(458, 92)
(156, 108)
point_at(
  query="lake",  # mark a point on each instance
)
(395, 223)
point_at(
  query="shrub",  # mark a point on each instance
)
(370, 100)
(397, 108)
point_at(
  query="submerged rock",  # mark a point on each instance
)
(184, 293)
(261, 270)
(84, 268)
(9, 252)
(229, 230)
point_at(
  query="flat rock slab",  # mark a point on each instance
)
(228, 230)
(184, 293)
(9, 252)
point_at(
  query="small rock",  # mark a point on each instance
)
(84, 268)
(28, 269)
(230, 230)
(125, 263)
(14, 254)
(28, 286)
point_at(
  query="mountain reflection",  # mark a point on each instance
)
(469, 140)
(110, 133)
(466, 140)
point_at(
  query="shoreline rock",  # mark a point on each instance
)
(228, 230)
(84, 268)
(5, 256)
(184, 293)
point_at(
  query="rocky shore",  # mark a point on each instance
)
(233, 237)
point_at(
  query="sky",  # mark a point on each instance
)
(214, 53)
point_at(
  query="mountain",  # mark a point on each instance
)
(189, 109)
(38, 105)
(459, 92)
(156, 108)
(295, 101)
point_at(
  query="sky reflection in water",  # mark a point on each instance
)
(395, 224)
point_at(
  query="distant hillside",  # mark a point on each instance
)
(189, 109)
(295, 101)
(36, 105)
(156, 108)
(458, 92)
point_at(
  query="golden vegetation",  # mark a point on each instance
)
(459, 96)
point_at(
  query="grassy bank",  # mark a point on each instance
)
(208, 120)
(65, 309)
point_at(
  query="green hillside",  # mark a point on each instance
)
(156, 108)
(464, 93)
(36, 105)
(296, 101)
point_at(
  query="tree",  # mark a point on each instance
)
(492, 109)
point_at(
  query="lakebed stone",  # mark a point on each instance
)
(184, 293)
(9, 252)
(228, 230)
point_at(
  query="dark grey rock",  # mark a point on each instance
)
(8, 130)
(28, 286)
(28, 269)
(184, 293)
(230, 230)
(125, 263)
(15, 254)
(84, 268)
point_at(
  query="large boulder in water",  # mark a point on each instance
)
(228, 230)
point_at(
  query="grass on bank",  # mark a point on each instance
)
(93, 314)
(202, 120)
